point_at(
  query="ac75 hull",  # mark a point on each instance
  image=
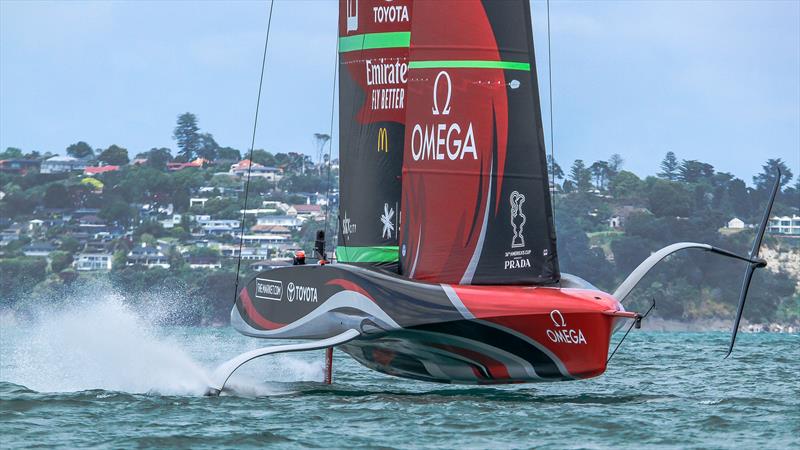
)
(435, 332)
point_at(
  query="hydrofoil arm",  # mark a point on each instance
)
(225, 370)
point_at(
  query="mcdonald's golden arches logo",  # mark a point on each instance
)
(383, 140)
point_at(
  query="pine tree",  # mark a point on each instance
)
(581, 176)
(187, 135)
(669, 167)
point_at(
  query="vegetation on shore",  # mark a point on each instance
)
(687, 201)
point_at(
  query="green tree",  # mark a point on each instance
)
(229, 154)
(601, 172)
(581, 176)
(615, 163)
(769, 173)
(56, 196)
(207, 147)
(120, 260)
(80, 149)
(11, 153)
(693, 171)
(625, 185)
(116, 211)
(19, 276)
(264, 158)
(187, 135)
(158, 158)
(669, 167)
(555, 169)
(69, 244)
(669, 199)
(114, 155)
(60, 261)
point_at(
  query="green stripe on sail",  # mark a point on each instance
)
(470, 64)
(368, 41)
(367, 254)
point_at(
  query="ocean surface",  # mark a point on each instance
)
(101, 374)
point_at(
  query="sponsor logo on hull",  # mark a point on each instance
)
(352, 15)
(390, 13)
(301, 293)
(561, 334)
(269, 289)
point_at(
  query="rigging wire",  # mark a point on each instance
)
(252, 145)
(550, 98)
(330, 141)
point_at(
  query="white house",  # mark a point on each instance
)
(220, 226)
(58, 164)
(286, 221)
(245, 167)
(93, 261)
(785, 225)
(198, 201)
(147, 256)
(735, 223)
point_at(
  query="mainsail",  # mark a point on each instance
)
(373, 67)
(476, 202)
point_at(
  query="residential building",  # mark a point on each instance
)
(735, 224)
(148, 256)
(785, 225)
(91, 171)
(59, 164)
(39, 249)
(198, 201)
(220, 226)
(93, 261)
(305, 211)
(19, 166)
(285, 221)
(245, 167)
(204, 262)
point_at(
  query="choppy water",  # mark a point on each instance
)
(100, 375)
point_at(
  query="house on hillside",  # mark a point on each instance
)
(305, 211)
(19, 166)
(284, 221)
(245, 167)
(735, 224)
(621, 214)
(220, 226)
(41, 249)
(785, 225)
(197, 163)
(204, 262)
(90, 261)
(61, 164)
(92, 171)
(147, 256)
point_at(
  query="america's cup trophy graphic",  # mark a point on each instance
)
(517, 219)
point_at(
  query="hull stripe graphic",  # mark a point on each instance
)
(453, 296)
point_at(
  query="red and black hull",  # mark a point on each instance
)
(435, 332)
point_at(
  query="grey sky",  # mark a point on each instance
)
(715, 81)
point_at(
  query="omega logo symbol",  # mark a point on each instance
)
(446, 110)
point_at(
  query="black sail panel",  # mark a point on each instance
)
(373, 68)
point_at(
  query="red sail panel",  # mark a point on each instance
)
(476, 206)
(373, 69)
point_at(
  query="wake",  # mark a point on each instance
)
(104, 343)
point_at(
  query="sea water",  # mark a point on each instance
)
(99, 373)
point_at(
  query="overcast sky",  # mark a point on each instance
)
(715, 81)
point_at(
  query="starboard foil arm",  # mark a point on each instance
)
(221, 375)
